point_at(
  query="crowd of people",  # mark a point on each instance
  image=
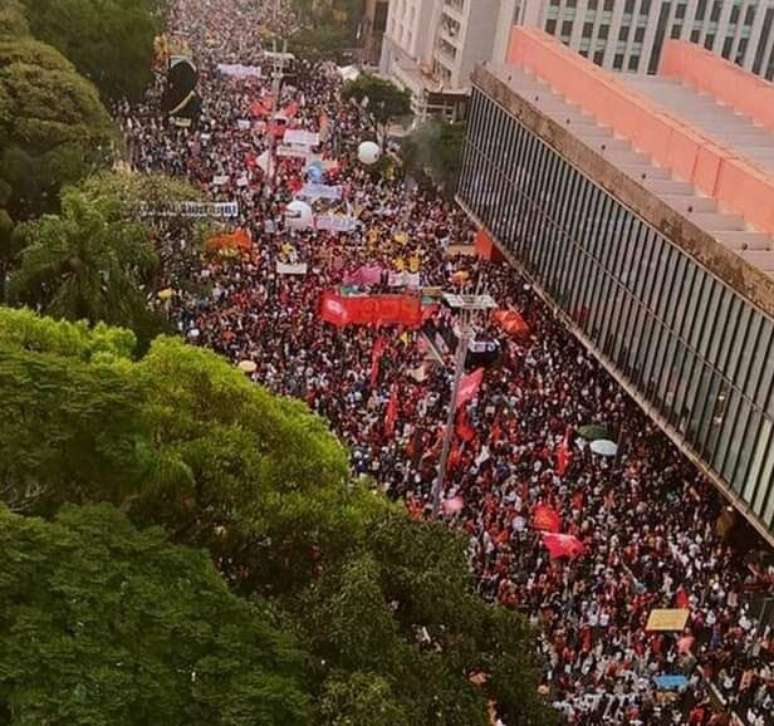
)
(646, 518)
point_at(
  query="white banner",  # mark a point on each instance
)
(218, 181)
(320, 191)
(296, 152)
(404, 279)
(222, 210)
(243, 124)
(300, 268)
(301, 137)
(336, 222)
(237, 70)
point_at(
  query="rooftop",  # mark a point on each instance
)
(695, 149)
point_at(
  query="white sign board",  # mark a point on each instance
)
(237, 70)
(300, 268)
(297, 152)
(301, 137)
(336, 222)
(320, 191)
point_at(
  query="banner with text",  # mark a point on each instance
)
(370, 310)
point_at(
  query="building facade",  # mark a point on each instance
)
(430, 47)
(606, 241)
(628, 35)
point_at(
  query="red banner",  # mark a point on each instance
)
(371, 310)
(469, 386)
(546, 518)
(564, 454)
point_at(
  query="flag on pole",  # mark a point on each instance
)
(380, 345)
(462, 426)
(391, 415)
(564, 454)
(468, 388)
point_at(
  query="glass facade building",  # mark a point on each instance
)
(695, 350)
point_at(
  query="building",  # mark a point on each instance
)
(430, 47)
(373, 25)
(642, 209)
(628, 35)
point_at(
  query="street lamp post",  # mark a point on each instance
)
(468, 306)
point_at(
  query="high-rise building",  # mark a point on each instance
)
(628, 35)
(430, 47)
(641, 208)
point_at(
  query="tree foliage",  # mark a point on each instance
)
(110, 42)
(182, 439)
(383, 100)
(53, 128)
(104, 624)
(435, 149)
(81, 265)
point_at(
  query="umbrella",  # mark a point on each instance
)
(603, 447)
(454, 505)
(165, 294)
(592, 432)
(248, 366)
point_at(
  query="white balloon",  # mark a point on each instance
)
(299, 215)
(368, 153)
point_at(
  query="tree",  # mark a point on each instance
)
(398, 611)
(79, 265)
(383, 100)
(53, 128)
(435, 149)
(104, 624)
(182, 439)
(123, 198)
(110, 42)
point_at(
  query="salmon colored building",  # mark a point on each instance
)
(642, 209)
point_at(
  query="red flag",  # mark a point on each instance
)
(546, 518)
(563, 545)
(290, 110)
(681, 598)
(462, 426)
(511, 322)
(380, 344)
(391, 415)
(455, 456)
(564, 455)
(468, 388)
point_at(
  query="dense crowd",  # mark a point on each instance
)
(646, 517)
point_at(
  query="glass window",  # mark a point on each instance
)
(588, 29)
(709, 41)
(695, 36)
(599, 57)
(715, 15)
(608, 6)
(629, 6)
(639, 35)
(603, 32)
(749, 17)
(676, 31)
(680, 10)
(734, 17)
(566, 28)
(727, 43)
(618, 61)
(551, 26)
(623, 33)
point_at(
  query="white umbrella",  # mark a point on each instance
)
(248, 366)
(603, 447)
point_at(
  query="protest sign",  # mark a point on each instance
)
(237, 70)
(370, 310)
(336, 222)
(300, 268)
(667, 619)
(301, 137)
(320, 191)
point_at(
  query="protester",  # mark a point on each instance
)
(644, 520)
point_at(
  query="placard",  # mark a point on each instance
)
(667, 619)
(302, 137)
(300, 268)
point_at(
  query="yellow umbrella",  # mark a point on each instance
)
(165, 294)
(248, 366)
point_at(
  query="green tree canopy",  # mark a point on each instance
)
(435, 149)
(104, 624)
(383, 100)
(53, 128)
(182, 439)
(80, 265)
(110, 42)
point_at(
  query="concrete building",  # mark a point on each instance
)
(430, 47)
(641, 208)
(372, 29)
(628, 35)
